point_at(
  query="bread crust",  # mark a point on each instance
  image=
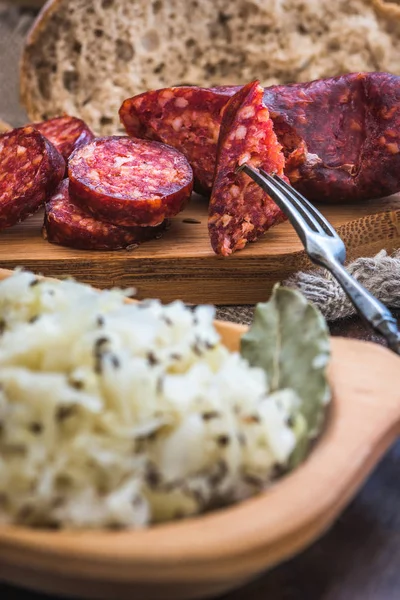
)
(4, 127)
(391, 10)
(38, 26)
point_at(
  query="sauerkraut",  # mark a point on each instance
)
(115, 414)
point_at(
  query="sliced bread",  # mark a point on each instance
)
(84, 58)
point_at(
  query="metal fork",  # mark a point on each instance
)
(325, 248)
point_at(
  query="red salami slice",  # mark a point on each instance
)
(239, 210)
(187, 118)
(339, 134)
(65, 133)
(130, 182)
(30, 169)
(68, 225)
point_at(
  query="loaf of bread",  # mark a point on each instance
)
(84, 58)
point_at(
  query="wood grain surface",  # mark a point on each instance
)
(182, 265)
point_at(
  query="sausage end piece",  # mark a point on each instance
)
(240, 211)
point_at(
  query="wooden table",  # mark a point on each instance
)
(358, 559)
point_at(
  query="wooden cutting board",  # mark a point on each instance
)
(182, 265)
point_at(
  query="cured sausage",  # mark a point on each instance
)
(240, 211)
(130, 182)
(339, 135)
(30, 169)
(68, 225)
(187, 118)
(65, 133)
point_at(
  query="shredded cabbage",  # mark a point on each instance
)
(121, 415)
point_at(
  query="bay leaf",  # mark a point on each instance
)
(289, 339)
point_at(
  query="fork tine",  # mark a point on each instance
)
(288, 191)
(267, 183)
(316, 214)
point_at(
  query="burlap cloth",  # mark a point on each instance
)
(380, 274)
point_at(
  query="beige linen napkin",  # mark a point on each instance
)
(380, 275)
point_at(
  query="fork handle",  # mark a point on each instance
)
(369, 307)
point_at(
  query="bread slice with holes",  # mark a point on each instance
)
(84, 58)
